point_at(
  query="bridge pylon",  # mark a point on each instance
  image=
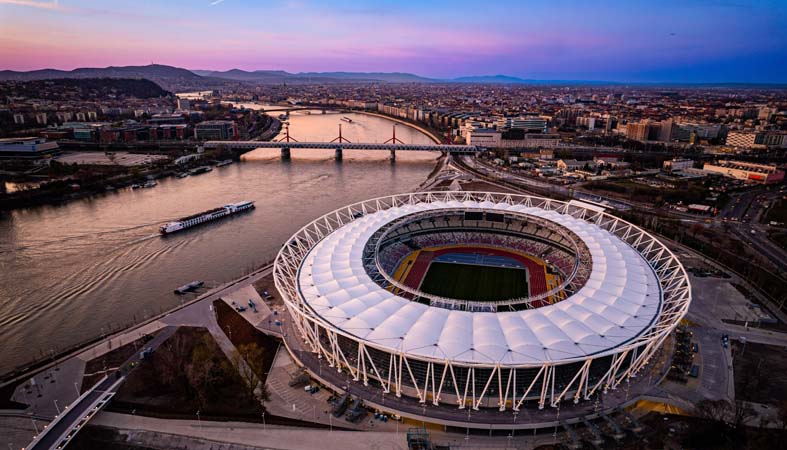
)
(394, 141)
(340, 138)
(287, 137)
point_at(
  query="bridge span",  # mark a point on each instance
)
(340, 146)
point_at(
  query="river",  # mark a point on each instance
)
(69, 273)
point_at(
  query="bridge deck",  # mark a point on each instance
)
(248, 145)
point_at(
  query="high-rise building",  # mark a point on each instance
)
(642, 131)
(665, 130)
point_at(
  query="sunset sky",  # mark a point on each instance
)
(674, 41)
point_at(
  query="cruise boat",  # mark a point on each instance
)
(226, 162)
(182, 175)
(206, 216)
(347, 119)
(149, 184)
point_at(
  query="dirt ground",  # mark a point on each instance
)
(760, 372)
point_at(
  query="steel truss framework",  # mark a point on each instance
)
(443, 381)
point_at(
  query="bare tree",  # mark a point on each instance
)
(716, 410)
(782, 413)
(249, 360)
(742, 412)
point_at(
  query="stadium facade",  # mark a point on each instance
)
(601, 298)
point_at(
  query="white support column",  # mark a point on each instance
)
(442, 383)
(426, 382)
(399, 378)
(486, 386)
(412, 378)
(472, 373)
(530, 388)
(544, 387)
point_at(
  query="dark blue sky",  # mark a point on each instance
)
(640, 41)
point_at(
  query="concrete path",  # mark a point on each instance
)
(271, 436)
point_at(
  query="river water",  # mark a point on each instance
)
(68, 273)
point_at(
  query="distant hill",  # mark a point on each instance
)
(166, 76)
(258, 76)
(387, 77)
(506, 79)
(280, 76)
(497, 79)
(84, 88)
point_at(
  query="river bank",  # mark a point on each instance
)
(114, 331)
(83, 264)
(432, 135)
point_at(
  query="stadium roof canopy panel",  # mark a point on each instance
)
(620, 300)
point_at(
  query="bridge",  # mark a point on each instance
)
(340, 146)
(60, 431)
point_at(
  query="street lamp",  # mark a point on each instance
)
(76, 388)
(199, 421)
(57, 407)
(263, 420)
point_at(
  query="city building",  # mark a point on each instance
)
(183, 104)
(27, 148)
(746, 171)
(484, 137)
(215, 130)
(677, 164)
(757, 139)
(568, 165)
(527, 123)
(643, 131)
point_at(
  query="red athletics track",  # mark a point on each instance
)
(537, 282)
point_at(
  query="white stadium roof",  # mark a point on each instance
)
(620, 301)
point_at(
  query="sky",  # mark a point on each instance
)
(636, 41)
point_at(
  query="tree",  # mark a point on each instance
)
(716, 410)
(782, 413)
(204, 371)
(249, 361)
(742, 412)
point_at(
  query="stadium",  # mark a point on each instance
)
(479, 301)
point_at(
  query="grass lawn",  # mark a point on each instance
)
(471, 282)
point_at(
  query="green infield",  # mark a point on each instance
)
(471, 282)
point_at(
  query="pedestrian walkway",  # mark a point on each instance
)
(257, 435)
